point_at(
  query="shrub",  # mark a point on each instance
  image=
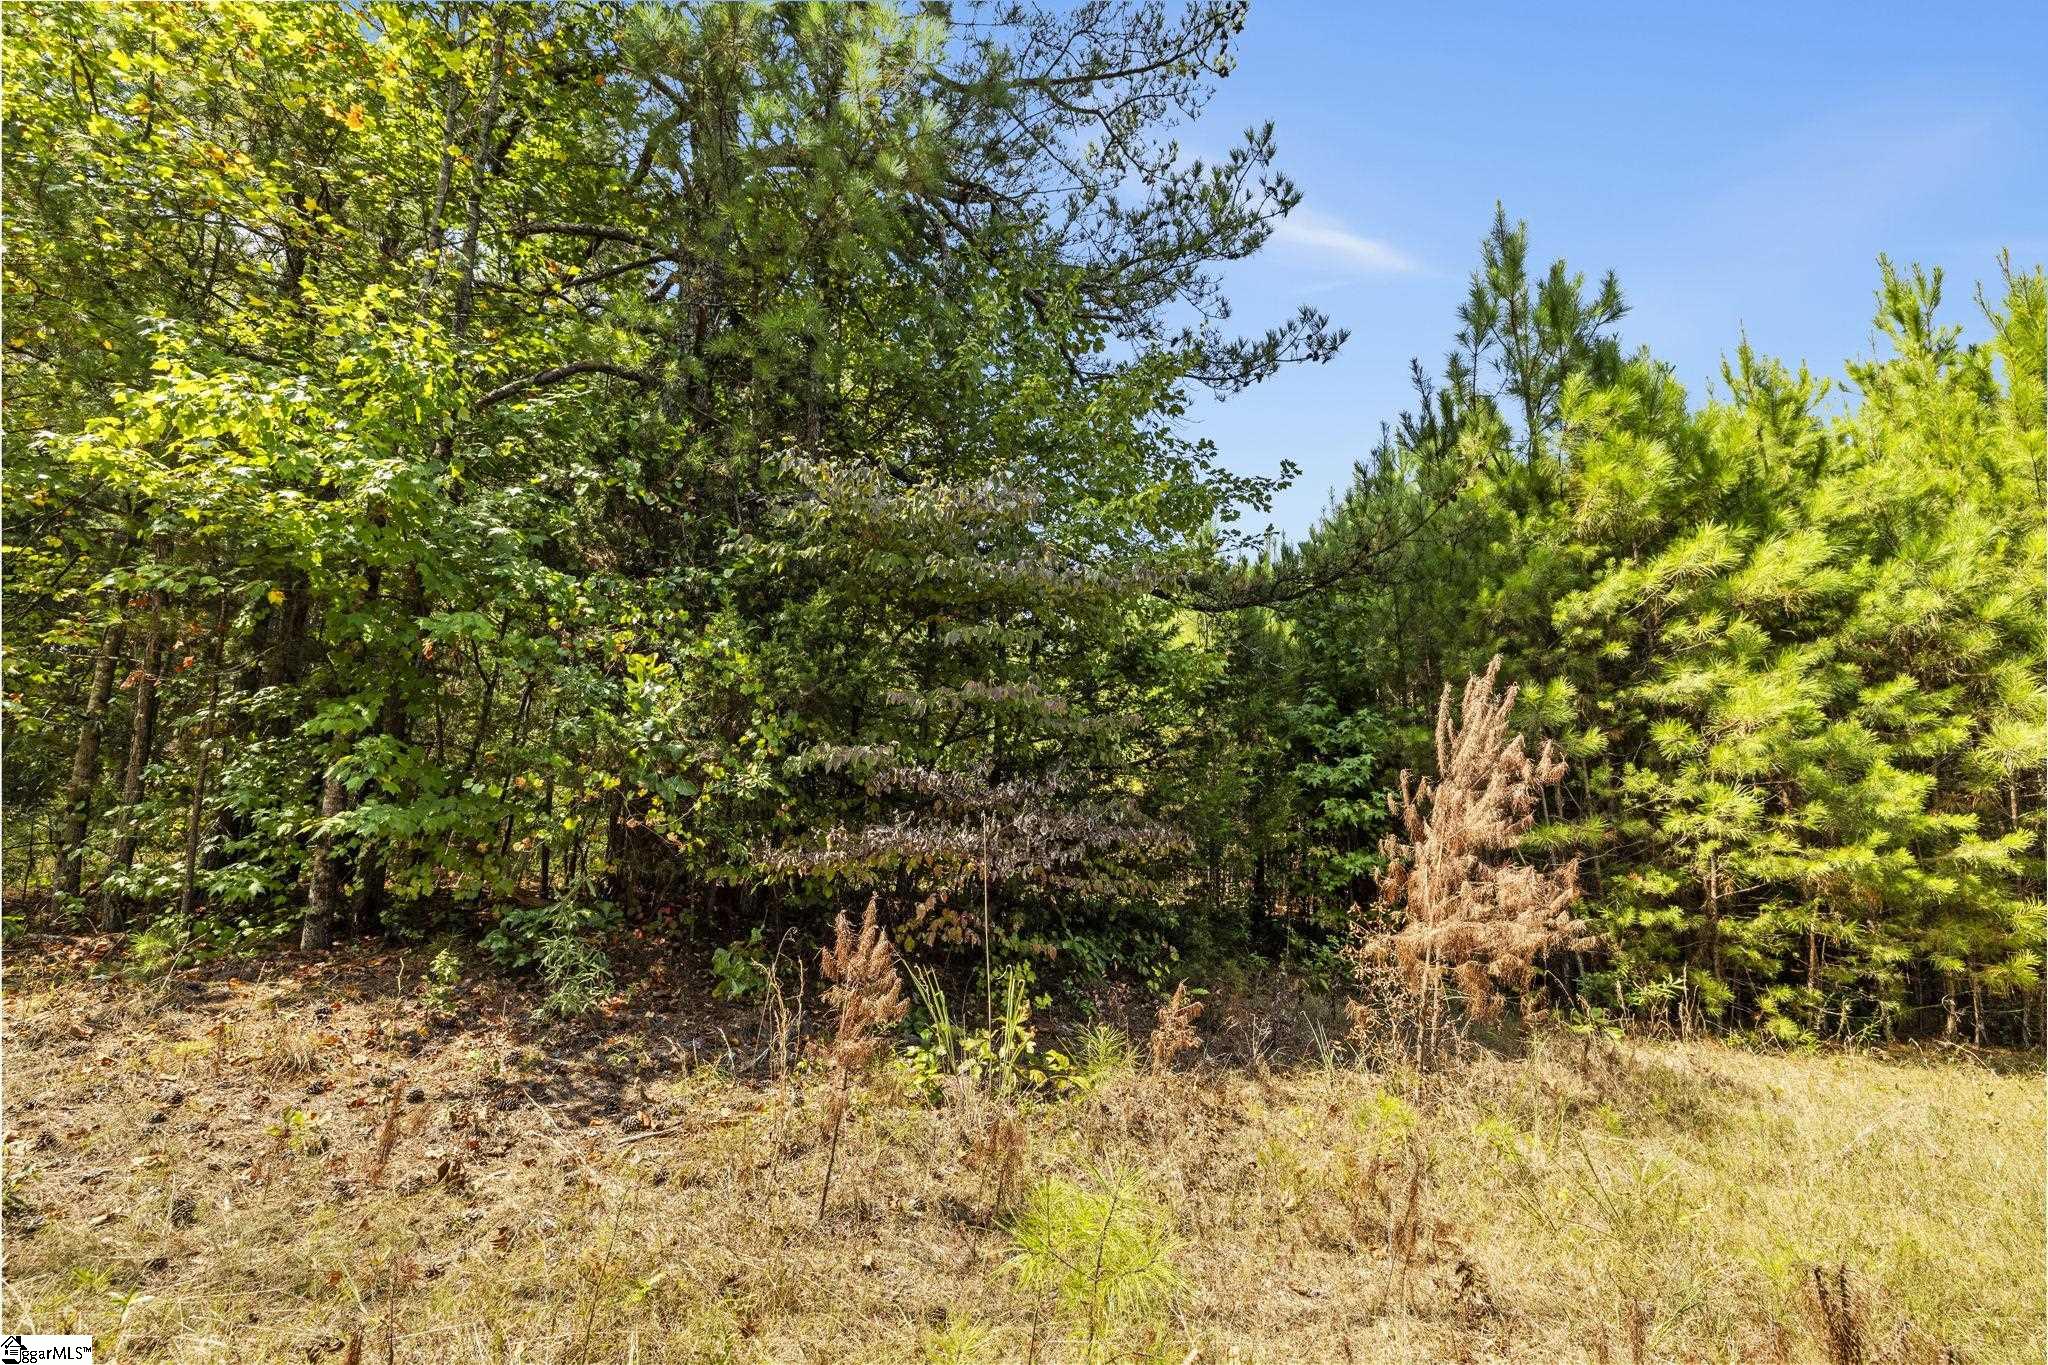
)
(444, 973)
(1101, 1055)
(578, 976)
(741, 969)
(866, 997)
(522, 935)
(1468, 907)
(1102, 1251)
(1174, 1032)
(562, 939)
(1004, 1057)
(153, 951)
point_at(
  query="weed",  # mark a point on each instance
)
(1840, 1311)
(17, 1212)
(1101, 1054)
(1174, 1033)
(288, 1048)
(866, 997)
(1469, 910)
(1839, 1315)
(1003, 1058)
(386, 1140)
(578, 976)
(299, 1133)
(998, 1147)
(521, 937)
(1670, 1196)
(444, 974)
(740, 969)
(93, 1279)
(154, 951)
(1387, 1119)
(960, 1342)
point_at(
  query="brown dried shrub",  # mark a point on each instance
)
(1174, 1032)
(1841, 1311)
(379, 1156)
(866, 998)
(997, 1147)
(1469, 910)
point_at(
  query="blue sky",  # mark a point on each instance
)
(1740, 168)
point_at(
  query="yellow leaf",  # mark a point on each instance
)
(276, 596)
(356, 118)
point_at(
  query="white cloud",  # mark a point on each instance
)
(1312, 233)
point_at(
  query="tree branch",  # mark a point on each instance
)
(592, 231)
(562, 372)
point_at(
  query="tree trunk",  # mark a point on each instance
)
(465, 291)
(288, 631)
(1713, 889)
(323, 901)
(85, 766)
(547, 822)
(372, 898)
(373, 893)
(141, 743)
(188, 898)
(188, 894)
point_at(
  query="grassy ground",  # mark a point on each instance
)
(271, 1162)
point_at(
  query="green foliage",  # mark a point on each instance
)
(726, 462)
(741, 969)
(299, 1132)
(959, 1342)
(577, 974)
(701, 451)
(1102, 1251)
(173, 939)
(444, 974)
(1101, 1054)
(1002, 1057)
(521, 937)
(153, 952)
(1796, 657)
(15, 1205)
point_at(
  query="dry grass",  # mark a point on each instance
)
(192, 1174)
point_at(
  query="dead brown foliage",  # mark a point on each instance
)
(1174, 1032)
(379, 1156)
(1469, 909)
(866, 998)
(1840, 1310)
